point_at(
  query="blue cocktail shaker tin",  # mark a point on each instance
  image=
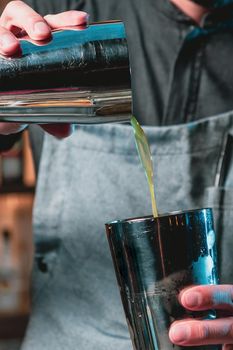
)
(154, 259)
(81, 75)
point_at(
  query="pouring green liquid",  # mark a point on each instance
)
(146, 160)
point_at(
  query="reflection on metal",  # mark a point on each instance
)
(81, 75)
(155, 258)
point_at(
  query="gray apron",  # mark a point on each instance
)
(94, 177)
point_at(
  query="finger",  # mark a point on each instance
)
(11, 128)
(193, 332)
(68, 18)
(208, 297)
(59, 130)
(18, 14)
(9, 45)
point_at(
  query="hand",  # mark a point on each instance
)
(19, 17)
(206, 332)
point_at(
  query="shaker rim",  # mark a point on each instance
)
(150, 218)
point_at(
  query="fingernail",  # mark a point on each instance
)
(7, 40)
(179, 334)
(192, 299)
(40, 28)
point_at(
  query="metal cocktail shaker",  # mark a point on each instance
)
(156, 258)
(81, 75)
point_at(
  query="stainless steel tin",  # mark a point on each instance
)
(81, 75)
(156, 258)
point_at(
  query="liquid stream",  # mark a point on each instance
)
(146, 160)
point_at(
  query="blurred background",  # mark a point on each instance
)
(17, 183)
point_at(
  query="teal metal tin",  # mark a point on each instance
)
(154, 260)
(81, 75)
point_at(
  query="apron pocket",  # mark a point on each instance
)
(46, 254)
(220, 199)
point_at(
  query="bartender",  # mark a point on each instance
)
(182, 75)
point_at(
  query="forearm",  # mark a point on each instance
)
(196, 12)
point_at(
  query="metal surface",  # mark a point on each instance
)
(154, 259)
(81, 75)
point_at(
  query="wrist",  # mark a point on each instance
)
(191, 9)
